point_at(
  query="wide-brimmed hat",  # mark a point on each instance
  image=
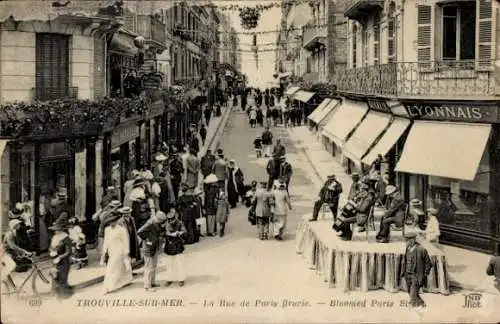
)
(125, 210)
(389, 190)
(61, 223)
(160, 216)
(160, 157)
(114, 204)
(410, 235)
(432, 211)
(148, 175)
(416, 203)
(211, 178)
(139, 182)
(13, 223)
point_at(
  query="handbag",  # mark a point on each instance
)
(252, 218)
(173, 246)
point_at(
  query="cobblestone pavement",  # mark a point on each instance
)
(267, 281)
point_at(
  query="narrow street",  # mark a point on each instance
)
(239, 267)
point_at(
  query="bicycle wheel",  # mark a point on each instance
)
(41, 283)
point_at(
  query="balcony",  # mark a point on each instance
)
(313, 37)
(361, 8)
(414, 80)
(153, 30)
(53, 93)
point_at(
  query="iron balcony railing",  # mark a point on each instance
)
(52, 93)
(151, 28)
(408, 79)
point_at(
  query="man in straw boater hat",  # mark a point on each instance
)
(394, 214)
(415, 268)
(150, 234)
(211, 189)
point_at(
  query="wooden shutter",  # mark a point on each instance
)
(485, 34)
(376, 39)
(424, 37)
(52, 66)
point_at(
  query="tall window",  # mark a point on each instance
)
(376, 38)
(52, 66)
(459, 31)
(365, 42)
(391, 34)
(354, 45)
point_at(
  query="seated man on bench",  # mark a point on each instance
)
(395, 214)
(364, 201)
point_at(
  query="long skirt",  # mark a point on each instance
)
(232, 194)
(60, 283)
(211, 224)
(175, 268)
(279, 224)
(118, 273)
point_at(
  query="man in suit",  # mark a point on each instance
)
(329, 194)
(394, 214)
(220, 169)
(415, 269)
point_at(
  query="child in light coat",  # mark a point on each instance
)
(223, 210)
(79, 256)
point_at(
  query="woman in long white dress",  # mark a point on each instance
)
(116, 250)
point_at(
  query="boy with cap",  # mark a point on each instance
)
(150, 233)
(415, 268)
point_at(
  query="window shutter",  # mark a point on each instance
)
(424, 37)
(485, 34)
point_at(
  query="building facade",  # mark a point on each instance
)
(59, 61)
(421, 88)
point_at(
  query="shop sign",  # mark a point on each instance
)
(152, 81)
(124, 134)
(379, 105)
(452, 111)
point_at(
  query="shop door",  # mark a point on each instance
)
(55, 177)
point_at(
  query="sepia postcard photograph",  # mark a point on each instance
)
(255, 161)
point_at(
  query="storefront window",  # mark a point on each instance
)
(463, 204)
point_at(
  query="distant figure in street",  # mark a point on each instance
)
(176, 170)
(188, 211)
(235, 184)
(211, 191)
(257, 144)
(267, 142)
(203, 133)
(192, 169)
(260, 117)
(273, 170)
(253, 118)
(281, 206)
(415, 269)
(279, 149)
(223, 211)
(263, 201)
(207, 163)
(60, 253)
(208, 113)
(286, 172)
(220, 169)
(494, 270)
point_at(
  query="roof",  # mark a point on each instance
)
(43, 10)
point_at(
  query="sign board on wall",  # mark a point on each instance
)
(453, 111)
(124, 134)
(378, 105)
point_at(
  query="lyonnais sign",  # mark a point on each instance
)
(454, 112)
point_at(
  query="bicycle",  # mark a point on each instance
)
(33, 274)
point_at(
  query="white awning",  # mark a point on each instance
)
(449, 150)
(303, 96)
(328, 112)
(317, 111)
(344, 119)
(290, 91)
(365, 135)
(390, 137)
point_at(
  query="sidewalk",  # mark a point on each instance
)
(94, 273)
(467, 269)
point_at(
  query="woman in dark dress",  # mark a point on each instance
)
(60, 252)
(235, 184)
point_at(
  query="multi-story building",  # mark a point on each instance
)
(74, 52)
(190, 53)
(421, 89)
(314, 41)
